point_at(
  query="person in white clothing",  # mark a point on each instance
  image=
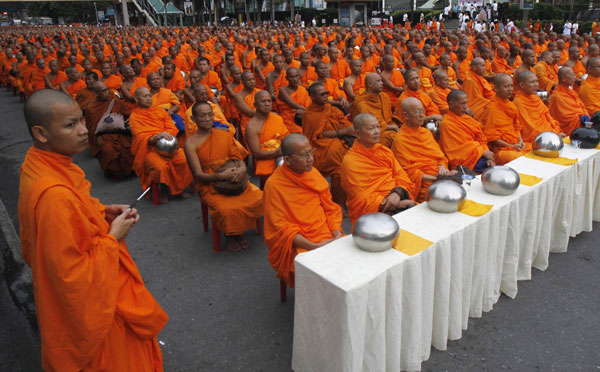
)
(567, 28)
(574, 28)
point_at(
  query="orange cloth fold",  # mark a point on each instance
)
(379, 106)
(479, 92)
(299, 96)
(589, 92)
(272, 129)
(462, 140)
(566, 107)
(534, 116)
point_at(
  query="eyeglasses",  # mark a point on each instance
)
(324, 94)
(306, 155)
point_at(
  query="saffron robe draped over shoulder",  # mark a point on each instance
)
(296, 204)
(501, 121)
(272, 129)
(428, 104)
(232, 215)
(368, 176)
(566, 107)
(148, 164)
(93, 309)
(462, 140)
(534, 116)
(378, 105)
(329, 152)
(299, 96)
(589, 92)
(479, 92)
(418, 153)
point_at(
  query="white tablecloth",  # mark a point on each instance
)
(360, 311)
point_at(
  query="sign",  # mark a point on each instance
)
(101, 15)
(527, 4)
(110, 12)
(188, 8)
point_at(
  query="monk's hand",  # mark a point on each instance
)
(562, 135)
(121, 225)
(393, 127)
(345, 104)
(348, 131)
(390, 203)
(112, 211)
(228, 175)
(488, 154)
(337, 234)
(442, 171)
(406, 203)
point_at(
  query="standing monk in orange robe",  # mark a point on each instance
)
(501, 123)
(207, 150)
(372, 178)
(148, 125)
(112, 148)
(299, 213)
(376, 103)
(589, 92)
(325, 126)
(264, 134)
(565, 105)
(534, 116)
(461, 137)
(88, 291)
(293, 99)
(478, 89)
(417, 151)
(413, 89)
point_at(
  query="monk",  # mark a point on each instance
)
(439, 94)
(306, 71)
(546, 71)
(565, 105)
(478, 89)
(113, 82)
(87, 94)
(425, 74)
(575, 64)
(73, 84)
(527, 65)
(501, 123)
(276, 78)
(413, 89)
(393, 80)
(206, 151)
(336, 96)
(37, 76)
(293, 99)
(338, 68)
(328, 130)
(55, 76)
(500, 64)
(354, 85)
(112, 149)
(264, 133)
(534, 116)
(446, 66)
(372, 178)
(589, 92)
(244, 100)
(377, 103)
(200, 94)
(461, 137)
(148, 125)
(130, 84)
(162, 97)
(262, 69)
(299, 213)
(417, 151)
(88, 291)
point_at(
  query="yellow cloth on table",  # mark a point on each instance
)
(568, 140)
(411, 244)
(559, 160)
(472, 208)
(529, 180)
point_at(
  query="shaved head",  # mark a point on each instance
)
(292, 142)
(455, 95)
(361, 119)
(524, 75)
(501, 79)
(39, 108)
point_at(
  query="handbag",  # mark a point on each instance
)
(111, 122)
(230, 187)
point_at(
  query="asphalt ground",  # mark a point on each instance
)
(225, 313)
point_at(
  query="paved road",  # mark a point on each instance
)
(225, 313)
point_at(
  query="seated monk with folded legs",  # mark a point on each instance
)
(565, 105)
(373, 179)
(417, 151)
(233, 201)
(299, 213)
(148, 125)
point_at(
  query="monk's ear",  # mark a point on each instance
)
(39, 133)
(286, 160)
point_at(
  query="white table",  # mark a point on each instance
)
(360, 311)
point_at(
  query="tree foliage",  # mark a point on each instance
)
(82, 11)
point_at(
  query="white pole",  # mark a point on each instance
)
(125, 13)
(96, 11)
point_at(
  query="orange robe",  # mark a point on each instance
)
(547, 75)
(334, 89)
(60, 77)
(534, 116)
(501, 66)
(113, 82)
(579, 69)
(439, 97)
(379, 106)
(462, 140)
(191, 127)
(244, 119)
(464, 70)
(309, 76)
(265, 70)
(88, 291)
(329, 152)
(151, 67)
(37, 79)
(418, 153)
(479, 92)
(340, 70)
(164, 99)
(148, 164)
(212, 80)
(232, 215)
(296, 204)
(272, 129)
(84, 97)
(589, 92)
(299, 96)
(566, 107)
(452, 78)
(397, 79)
(430, 107)
(113, 151)
(501, 121)
(426, 79)
(74, 88)
(368, 176)
(281, 81)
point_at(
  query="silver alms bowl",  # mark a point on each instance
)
(500, 180)
(548, 144)
(433, 128)
(167, 147)
(446, 196)
(543, 94)
(375, 232)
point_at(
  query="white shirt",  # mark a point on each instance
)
(405, 17)
(495, 7)
(477, 27)
(567, 28)
(574, 28)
